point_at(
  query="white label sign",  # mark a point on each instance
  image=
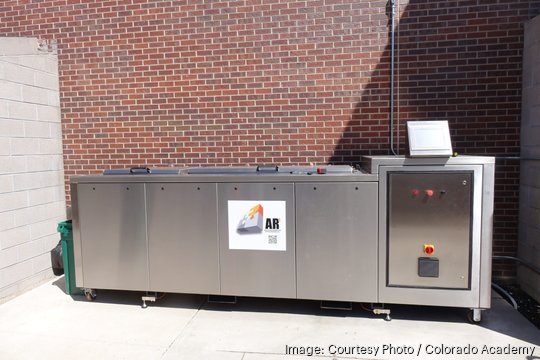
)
(257, 225)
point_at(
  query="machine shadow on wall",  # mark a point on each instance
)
(443, 71)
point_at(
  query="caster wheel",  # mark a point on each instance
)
(90, 295)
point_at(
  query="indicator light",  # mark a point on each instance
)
(415, 192)
(429, 249)
(429, 192)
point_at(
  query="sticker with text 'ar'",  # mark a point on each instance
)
(257, 225)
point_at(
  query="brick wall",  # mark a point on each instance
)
(32, 199)
(281, 81)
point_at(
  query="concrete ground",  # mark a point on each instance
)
(47, 324)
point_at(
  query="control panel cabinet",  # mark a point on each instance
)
(435, 234)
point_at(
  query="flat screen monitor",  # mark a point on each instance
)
(429, 138)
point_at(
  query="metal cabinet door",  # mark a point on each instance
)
(336, 241)
(113, 236)
(430, 208)
(182, 237)
(269, 270)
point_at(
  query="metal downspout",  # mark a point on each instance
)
(392, 64)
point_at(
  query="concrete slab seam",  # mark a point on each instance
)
(184, 328)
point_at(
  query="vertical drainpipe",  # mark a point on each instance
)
(392, 58)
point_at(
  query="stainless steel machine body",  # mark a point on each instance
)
(171, 233)
(340, 234)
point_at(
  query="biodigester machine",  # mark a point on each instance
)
(394, 230)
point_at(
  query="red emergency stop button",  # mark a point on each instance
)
(429, 249)
(429, 192)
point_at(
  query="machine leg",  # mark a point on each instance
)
(146, 298)
(475, 315)
(379, 311)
